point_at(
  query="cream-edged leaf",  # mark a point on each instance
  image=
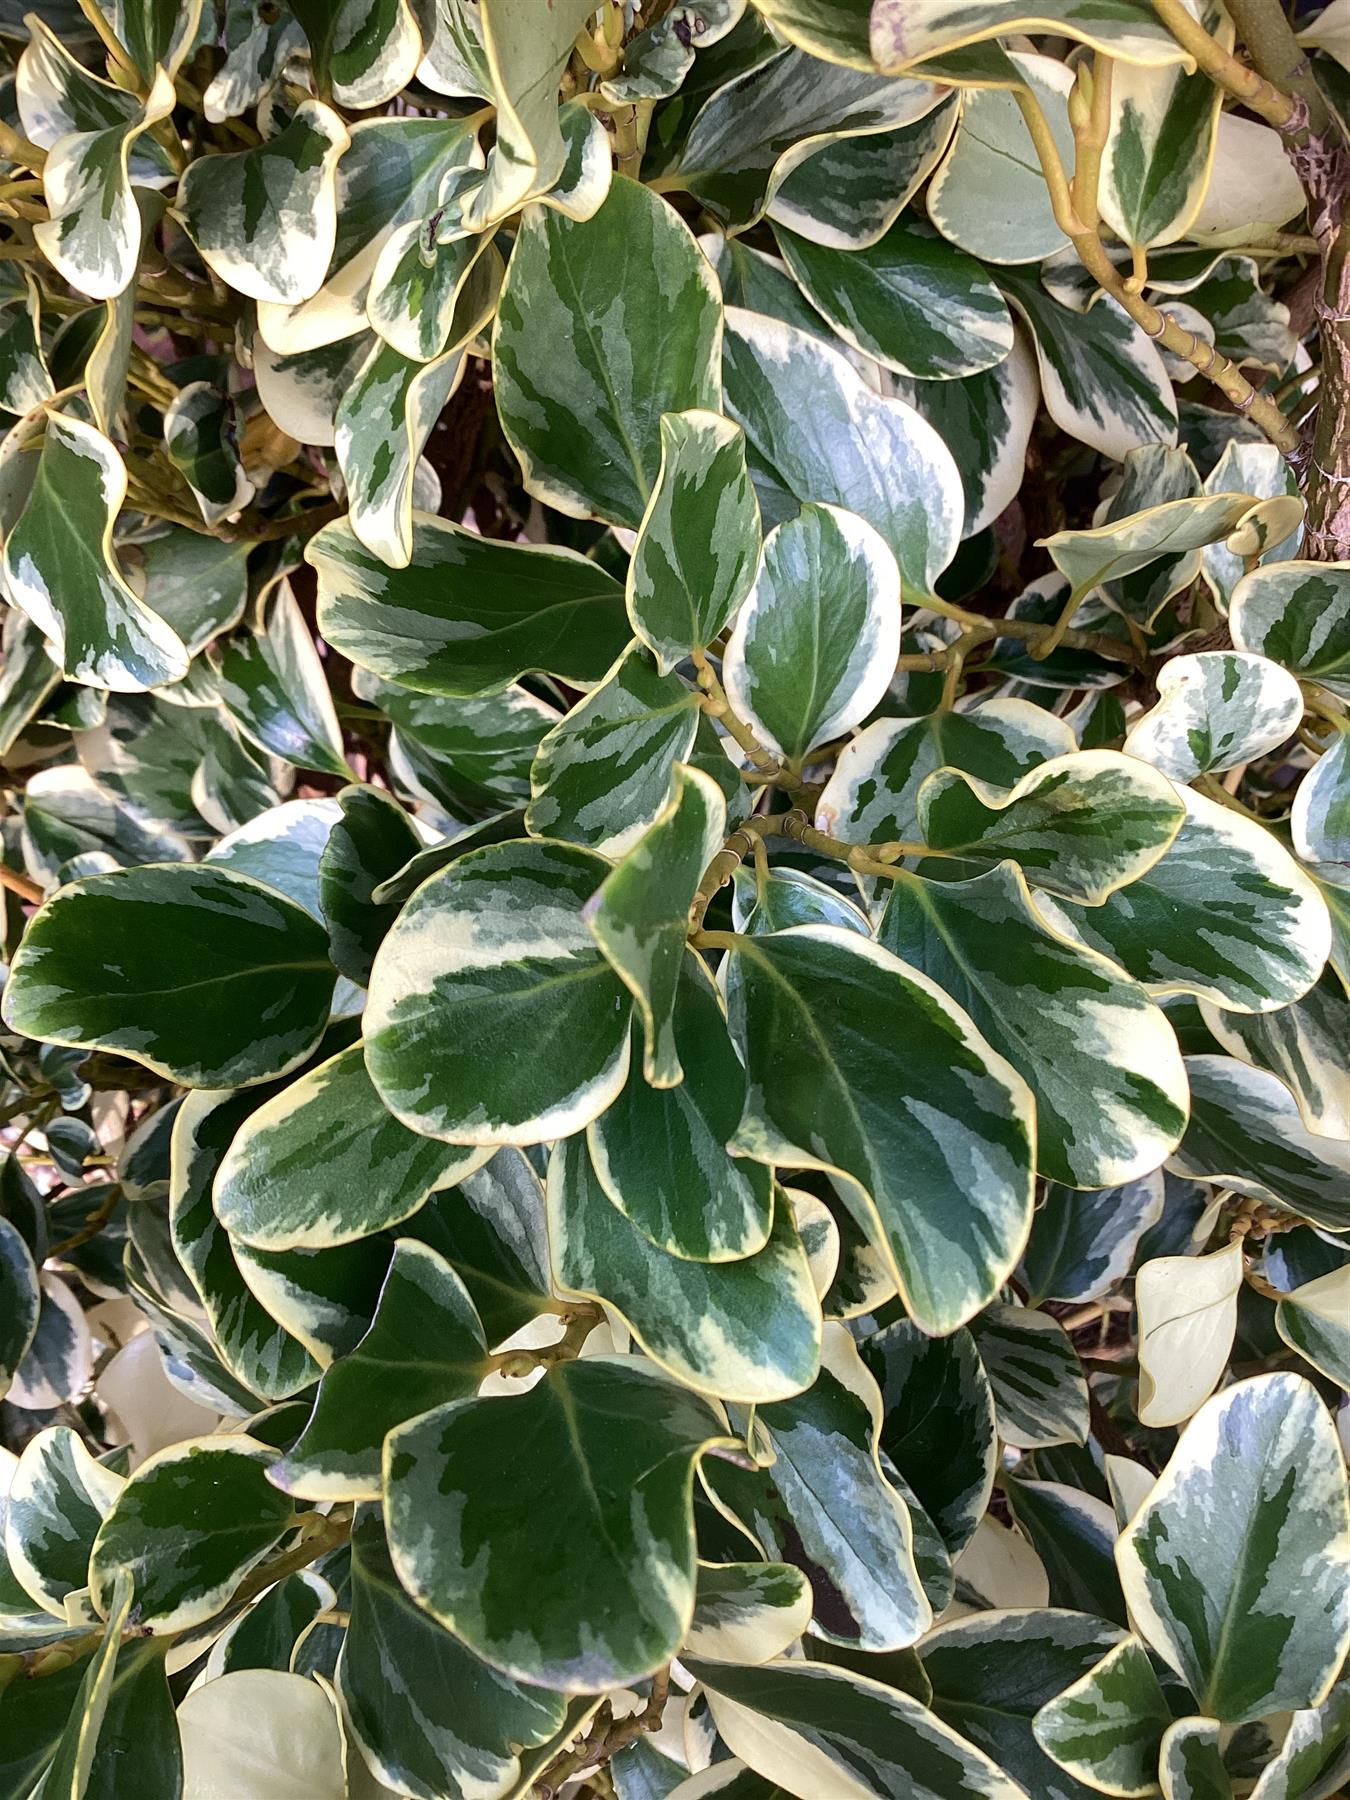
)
(1215, 710)
(1298, 615)
(1187, 1317)
(1106, 1728)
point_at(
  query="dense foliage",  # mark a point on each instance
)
(676, 873)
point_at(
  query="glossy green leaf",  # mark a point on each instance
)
(1073, 1534)
(1082, 1244)
(19, 1301)
(273, 685)
(1040, 1391)
(491, 1230)
(848, 193)
(372, 841)
(57, 1500)
(199, 440)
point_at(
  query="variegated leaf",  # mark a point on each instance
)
(659, 1153)
(1188, 1310)
(1106, 1728)
(265, 219)
(472, 755)
(58, 1498)
(364, 51)
(492, 958)
(696, 553)
(788, 896)
(1106, 554)
(1215, 710)
(641, 914)
(373, 841)
(256, 50)
(872, 794)
(1081, 826)
(58, 1364)
(1082, 1244)
(748, 1612)
(1246, 1133)
(1320, 819)
(1304, 1044)
(199, 440)
(1227, 915)
(814, 646)
(1297, 614)
(747, 1330)
(1040, 1391)
(491, 1229)
(752, 132)
(469, 615)
(1098, 1055)
(1236, 1567)
(615, 1444)
(1313, 1756)
(1190, 1762)
(1257, 469)
(426, 1328)
(61, 569)
(323, 1163)
(281, 848)
(850, 191)
(1160, 144)
(1315, 1321)
(806, 1724)
(567, 346)
(989, 196)
(605, 773)
(1103, 381)
(187, 1555)
(905, 32)
(248, 973)
(816, 432)
(993, 1671)
(274, 687)
(825, 1505)
(25, 380)
(951, 1218)
(20, 1301)
(911, 301)
(428, 1716)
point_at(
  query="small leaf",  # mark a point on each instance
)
(199, 440)
(1298, 615)
(372, 841)
(58, 1497)
(1188, 1312)
(1107, 1728)
(1315, 1321)
(364, 50)
(20, 1299)
(273, 685)
(1191, 1765)
(748, 1612)
(1216, 710)
(1040, 1391)
(1082, 1244)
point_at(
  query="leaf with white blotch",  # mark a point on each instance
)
(281, 848)
(788, 896)
(848, 193)
(189, 1525)
(154, 31)
(1160, 143)
(493, 1017)
(943, 1184)
(20, 1300)
(199, 584)
(695, 556)
(814, 646)
(1098, 1055)
(833, 30)
(1320, 819)
(1190, 1763)
(989, 196)
(660, 1155)
(1215, 710)
(1297, 614)
(872, 795)
(419, 282)
(986, 422)
(747, 1330)
(301, 393)
(25, 380)
(323, 1163)
(381, 428)
(606, 772)
(372, 841)
(1304, 1044)
(828, 1731)
(1258, 469)
(427, 1714)
(59, 1362)
(753, 131)
(905, 32)
(1313, 1758)
(58, 1498)
(1082, 1244)
(598, 1589)
(249, 1342)
(265, 219)
(61, 569)
(748, 1612)
(364, 51)
(1106, 554)
(938, 1426)
(205, 976)
(1081, 826)
(93, 237)
(825, 1506)
(1188, 1311)
(1073, 1534)
(1106, 1728)
(1226, 915)
(992, 1672)
(1315, 1321)
(469, 755)
(1236, 1567)
(491, 1229)
(523, 58)
(1104, 382)
(74, 1770)
(567, 346)
(1040, 1391)
(588, 169)
(469, 615)
(199, 442)
(274, 687)
(425, 1346)
(816, 432)
(1246, 1133)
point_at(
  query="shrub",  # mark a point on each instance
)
(677, 900)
